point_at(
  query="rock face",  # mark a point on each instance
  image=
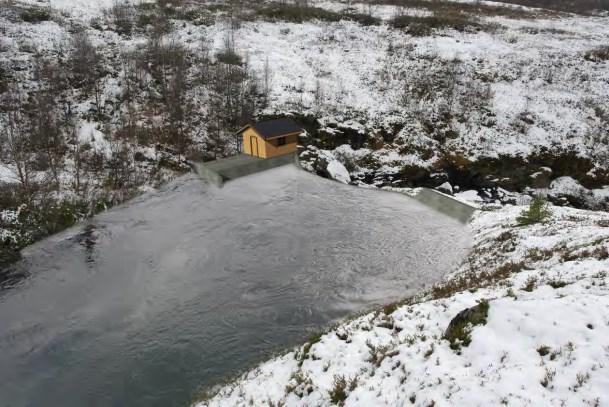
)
(566, 178)
(324, 163)
(567, 191)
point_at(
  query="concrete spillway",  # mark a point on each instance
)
(227, 169)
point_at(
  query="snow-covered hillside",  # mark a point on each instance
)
(541, 292)
(536, 88)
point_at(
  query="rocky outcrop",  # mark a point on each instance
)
(565, 191)
(566, 178)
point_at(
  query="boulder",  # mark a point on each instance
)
(541, 178)
(460, 327)
(566, 190)
(338, 172)
(445, 188)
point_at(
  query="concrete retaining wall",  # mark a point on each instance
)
(220, 171)
(445, 204)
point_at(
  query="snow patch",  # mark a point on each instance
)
(338, 172)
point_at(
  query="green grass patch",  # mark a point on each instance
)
(543, 350)
(36, 15)
(422, 26)
(363, 19)
(557, 284)
(297, 14)
(306, 349)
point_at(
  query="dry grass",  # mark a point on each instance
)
(476, 280)
(341, 388)
(474, 9)
(422, 26)
(295, 13)
(598, 54)
(585, 7)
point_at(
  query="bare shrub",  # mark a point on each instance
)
(598, 54)
(297, 13)
(422, 26)
(86, 67)
(574, 6)
(18, 146)
(121, 14)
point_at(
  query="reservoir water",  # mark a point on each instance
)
(175, 290)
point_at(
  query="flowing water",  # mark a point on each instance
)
(186, 285)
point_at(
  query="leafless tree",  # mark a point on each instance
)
(318, 97)
(204, 61)
(79, 159)
(16, 140)
(215, 128)
(177, 105)
(267, 82)
(86, 66)
(121, 14)
(120, 165)
(46, 133)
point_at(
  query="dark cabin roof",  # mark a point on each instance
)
(275, 128)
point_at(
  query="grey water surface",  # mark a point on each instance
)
(178, 288)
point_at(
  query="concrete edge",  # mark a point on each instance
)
(432, 198)
(446, 204)
(219, 178)
(206, 174)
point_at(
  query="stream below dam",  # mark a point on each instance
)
(150, 301)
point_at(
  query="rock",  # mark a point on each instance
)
(567, 190)
(470, 196)
(445, 188)
(541, 178)
(436, 179)
(139, 156)
(325, 164)
(338, 172)
(460, 327)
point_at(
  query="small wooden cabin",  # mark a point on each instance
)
(270, 138)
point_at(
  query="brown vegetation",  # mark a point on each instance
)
(572, 6)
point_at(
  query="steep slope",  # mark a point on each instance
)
(537, 335)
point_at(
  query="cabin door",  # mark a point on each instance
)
(254, 146)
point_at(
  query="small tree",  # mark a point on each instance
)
(538, 212)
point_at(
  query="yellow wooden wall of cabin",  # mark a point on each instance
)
(248, 135)
(267, 148)
(290, 146)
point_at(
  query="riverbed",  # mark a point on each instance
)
(175, 290)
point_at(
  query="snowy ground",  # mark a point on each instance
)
(544, 341)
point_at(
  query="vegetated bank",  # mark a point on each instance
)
(522, 321)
